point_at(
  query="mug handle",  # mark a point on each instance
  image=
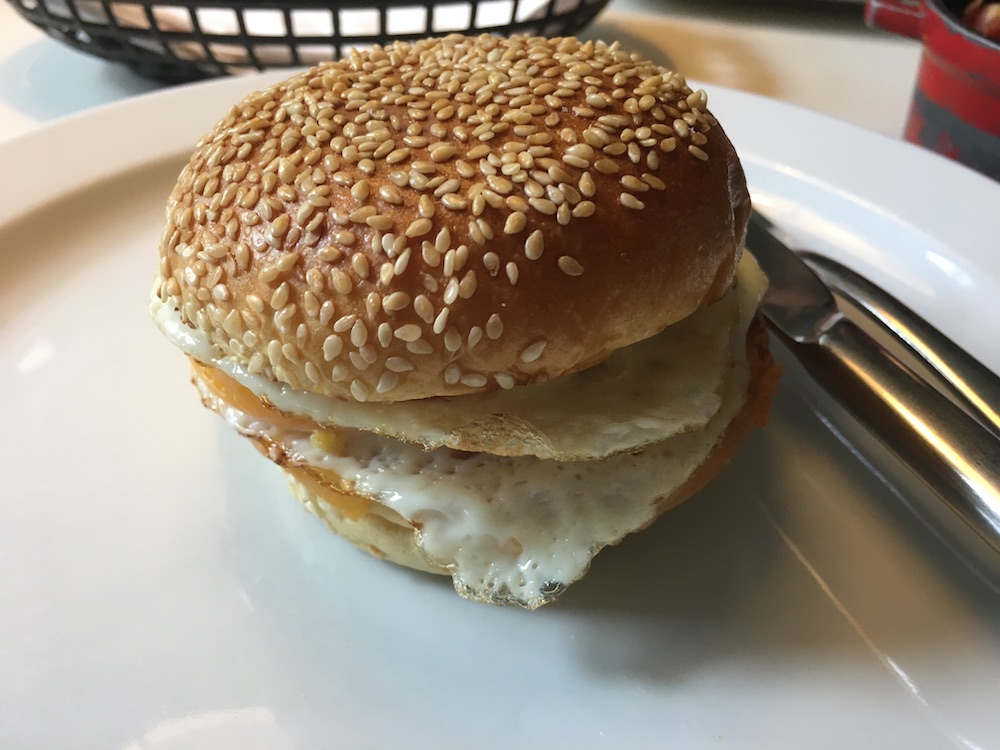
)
(905, 17)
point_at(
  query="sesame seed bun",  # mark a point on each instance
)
(452, 216)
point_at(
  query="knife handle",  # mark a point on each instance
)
(951, 453)
(967, 380)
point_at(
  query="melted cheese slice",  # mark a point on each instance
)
(518, 529)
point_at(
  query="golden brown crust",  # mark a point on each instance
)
(391, 538)
(287, 234)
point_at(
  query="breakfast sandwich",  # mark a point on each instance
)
(483, 300)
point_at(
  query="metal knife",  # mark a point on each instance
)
(953, 454)
(965, 378)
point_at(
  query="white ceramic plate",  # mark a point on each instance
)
(159, 589)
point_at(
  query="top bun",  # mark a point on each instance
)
(453, 215)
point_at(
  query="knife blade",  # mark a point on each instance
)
(949, 451)
(797, 301)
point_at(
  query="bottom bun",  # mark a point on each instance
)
(385, 535)
(388, 536)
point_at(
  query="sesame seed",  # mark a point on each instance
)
(404, 258)
(504, 380)
(332, 347)
(697, 99)
(398, 364)
(474, 337)
(359, 334)
(668, 144)
(380, 222)
(446, 187)
(499, 184)
(382, 150)
(467, 286)
(420, 347)
(494, 327)
(422, 307)
(341, 282)
(569, 266)
(516, 222)
(395, 302)
(697, 152)
(359, 390)
(408, 332)
(344, 323)
(384, 334)
(532, 352)
(280, 225)
(443, 240)
(387, 382)
(390, 194)
(425, 207)
(397, 155)
(360, 191)
(454, 202)
(512, 272)
(255, 303)
(419, 227)
(633, 183)
(653, 181)
(386, 273)
(605, 166)
(630, 201)
(279, 298)
(473, 380)
(534, 245)
(361, 265)
(442, 152)
(534, 189)
(361, 215)
(441, 321)
(495, 200)
(326, 313)
(542, 205)
(517, 203)
(492, 262)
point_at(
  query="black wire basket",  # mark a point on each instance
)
(185, 40)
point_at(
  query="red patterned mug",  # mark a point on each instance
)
(956, 104)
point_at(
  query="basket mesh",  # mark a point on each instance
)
(182, 40)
